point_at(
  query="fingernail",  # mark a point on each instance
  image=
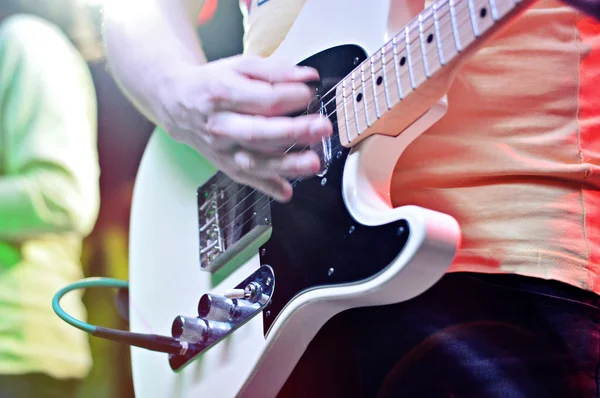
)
(308, 165)
(285, 195)
(319, 126)
(305, 72)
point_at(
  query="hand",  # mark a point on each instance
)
(232, 111)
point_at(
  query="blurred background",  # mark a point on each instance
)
(122, 136)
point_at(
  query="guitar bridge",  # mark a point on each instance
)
(233, 221)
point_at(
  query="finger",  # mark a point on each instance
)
(273, 71)
(297, 164)
(277, 188)
(254, 97)
(257, 131)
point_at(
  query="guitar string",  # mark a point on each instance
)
(402, 47)
(236, 218)
(360, 112)
(399, 78)
(417, 48)
(300, 178)
(249, 208)
(294, 182)
(434, 14)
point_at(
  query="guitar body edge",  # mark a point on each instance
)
(432, 244)
(424, 260)
(165, 277)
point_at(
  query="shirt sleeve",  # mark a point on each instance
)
(48, 151)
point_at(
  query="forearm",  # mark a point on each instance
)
(146, 44)
(43, 202)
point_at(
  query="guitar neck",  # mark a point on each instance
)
(415, 68)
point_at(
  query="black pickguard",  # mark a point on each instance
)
(315, 242)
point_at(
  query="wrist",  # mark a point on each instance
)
(166, 89)
(172, 95)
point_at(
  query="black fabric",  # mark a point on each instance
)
(471, 335)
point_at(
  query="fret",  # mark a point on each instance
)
(368, 97)
(360, 90)
(391, 73)
(447, 45)
(501, 7)
(459, 46)
(385, 80)
(438, 39)
(345, 105)
(429, 50)
(462, 17)
(430, 41)
(473, 18)
(357, 102)
(480, 16)
(417, 63)
(374, 86)
(494, 10)
(397, 68)
(406, 81)
(407, 46)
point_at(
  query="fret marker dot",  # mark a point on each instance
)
(379, 80)
(429, 38)
(483, 12)
(402, 61)
(359, 97)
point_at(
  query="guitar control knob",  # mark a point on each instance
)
(217, 308)
(196, 330)
(223, 309)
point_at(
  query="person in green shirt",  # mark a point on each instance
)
(49, 201)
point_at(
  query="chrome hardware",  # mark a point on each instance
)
(209, 229)
(218, 308)
(231, 217)
(323, 148)
(324, 153)
(253, 292)
(220, 316)
(222, 309)
(197, 330)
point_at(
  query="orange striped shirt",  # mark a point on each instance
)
(515, 159)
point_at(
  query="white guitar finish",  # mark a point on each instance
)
(165, 277)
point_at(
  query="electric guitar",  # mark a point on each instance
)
(248, 282)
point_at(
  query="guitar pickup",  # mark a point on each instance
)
(233, 220)
(210, 231)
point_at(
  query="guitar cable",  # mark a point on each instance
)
(151, 342)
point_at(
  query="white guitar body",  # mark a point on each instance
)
(165, 276)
